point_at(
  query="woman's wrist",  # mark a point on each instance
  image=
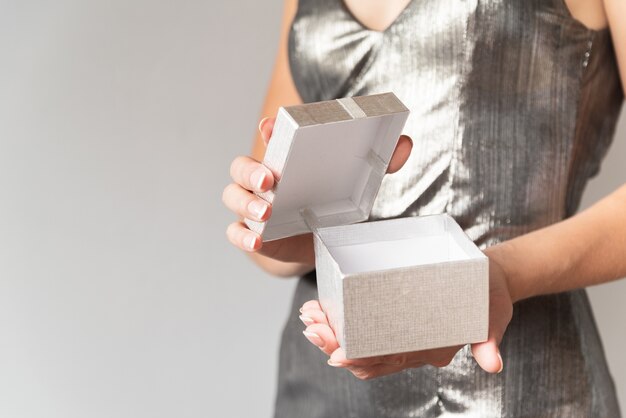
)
(533, 264)
(281, 268)
(500, 259)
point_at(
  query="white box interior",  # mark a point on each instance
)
(327, 168)
(328, 173)
(398, 243)
(387, 255)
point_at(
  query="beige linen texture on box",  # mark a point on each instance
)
(401, 309)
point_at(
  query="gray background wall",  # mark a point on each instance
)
(119, 296)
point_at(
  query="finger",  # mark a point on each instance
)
(338, 359)
(266, 126)
(245, 204)
(312, 313)
(372, 372)
(312, 304)
(322, 336)
(240, 236)
(366, 372)
(440, 361)
(439, 357)
(400, 154)
(310, 317)
(487, 354)
(399, 360)
(251, 175)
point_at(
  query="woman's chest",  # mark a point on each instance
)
(331, 50)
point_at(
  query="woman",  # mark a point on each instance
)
(514, 104)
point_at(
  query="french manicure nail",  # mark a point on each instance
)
(258, 209)
(313, 338)
(306, 320)
(250, 241)
(257, 178)
(261, 122)
(333, 363)
(501, 363)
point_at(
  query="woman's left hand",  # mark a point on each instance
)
(487, 354)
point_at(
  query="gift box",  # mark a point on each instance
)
(388, 286)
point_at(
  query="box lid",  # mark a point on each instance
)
(329, 159)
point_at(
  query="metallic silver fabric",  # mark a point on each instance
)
(513, 106)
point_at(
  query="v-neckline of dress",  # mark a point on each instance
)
(393, 23)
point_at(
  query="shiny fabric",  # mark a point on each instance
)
(514, 104)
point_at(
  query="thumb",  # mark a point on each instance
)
(266, 126)
(400, 154)
(488, 356)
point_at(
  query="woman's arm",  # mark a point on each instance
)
(291, 256)
(587, 249)
(281, 92)
(616, 15)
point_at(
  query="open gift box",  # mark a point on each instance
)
(388, 286)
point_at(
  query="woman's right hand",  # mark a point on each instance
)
(250, 176)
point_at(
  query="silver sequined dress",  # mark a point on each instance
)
(513, 106)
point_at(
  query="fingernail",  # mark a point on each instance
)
(501, 363)
(333, 363)
(257, 178)
(258, 208)
(300, 310)
(261, 122)
(313, 338)
(250, 241)
(306, 320)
